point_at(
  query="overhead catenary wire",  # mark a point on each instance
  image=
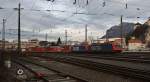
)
(74, 12)
(13, 33)
(81, 13)
(112, 1)
(16, 9)
(60, 11)
(34, 3)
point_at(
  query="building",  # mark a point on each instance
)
(8, 45)
(117, 41)
(33, 43)
(24, 44)
(135, 44)
(70, 42)
(137, 26)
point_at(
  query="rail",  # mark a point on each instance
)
(135, 73)
(46, 78)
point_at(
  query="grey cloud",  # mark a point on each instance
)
(96, 16)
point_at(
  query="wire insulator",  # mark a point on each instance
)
(138, 17)
(52, 0)
(75, 1)
(126, 6)
(138, 9)
(87, 2)
(104, 4)
(1, 8)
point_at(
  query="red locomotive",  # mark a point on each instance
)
(52, 49)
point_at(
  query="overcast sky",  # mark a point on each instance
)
(37, 20)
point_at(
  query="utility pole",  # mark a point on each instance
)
(46, 37)
(121, 30)
(19, 33)
(3, 43)
(86, 33)
(5, 56)
(3, 35)
(33, 31)
(91, 38)
(66, 35)
(107, 36)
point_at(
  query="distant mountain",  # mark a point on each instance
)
(115, 31)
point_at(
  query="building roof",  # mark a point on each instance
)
(135, 41)
(138, 23)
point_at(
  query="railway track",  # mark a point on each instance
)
(77, 71)
(135, 59)
(88, 63)
(43, 74)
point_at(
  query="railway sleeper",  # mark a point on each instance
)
(135, 73)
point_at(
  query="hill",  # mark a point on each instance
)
(115, 31)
